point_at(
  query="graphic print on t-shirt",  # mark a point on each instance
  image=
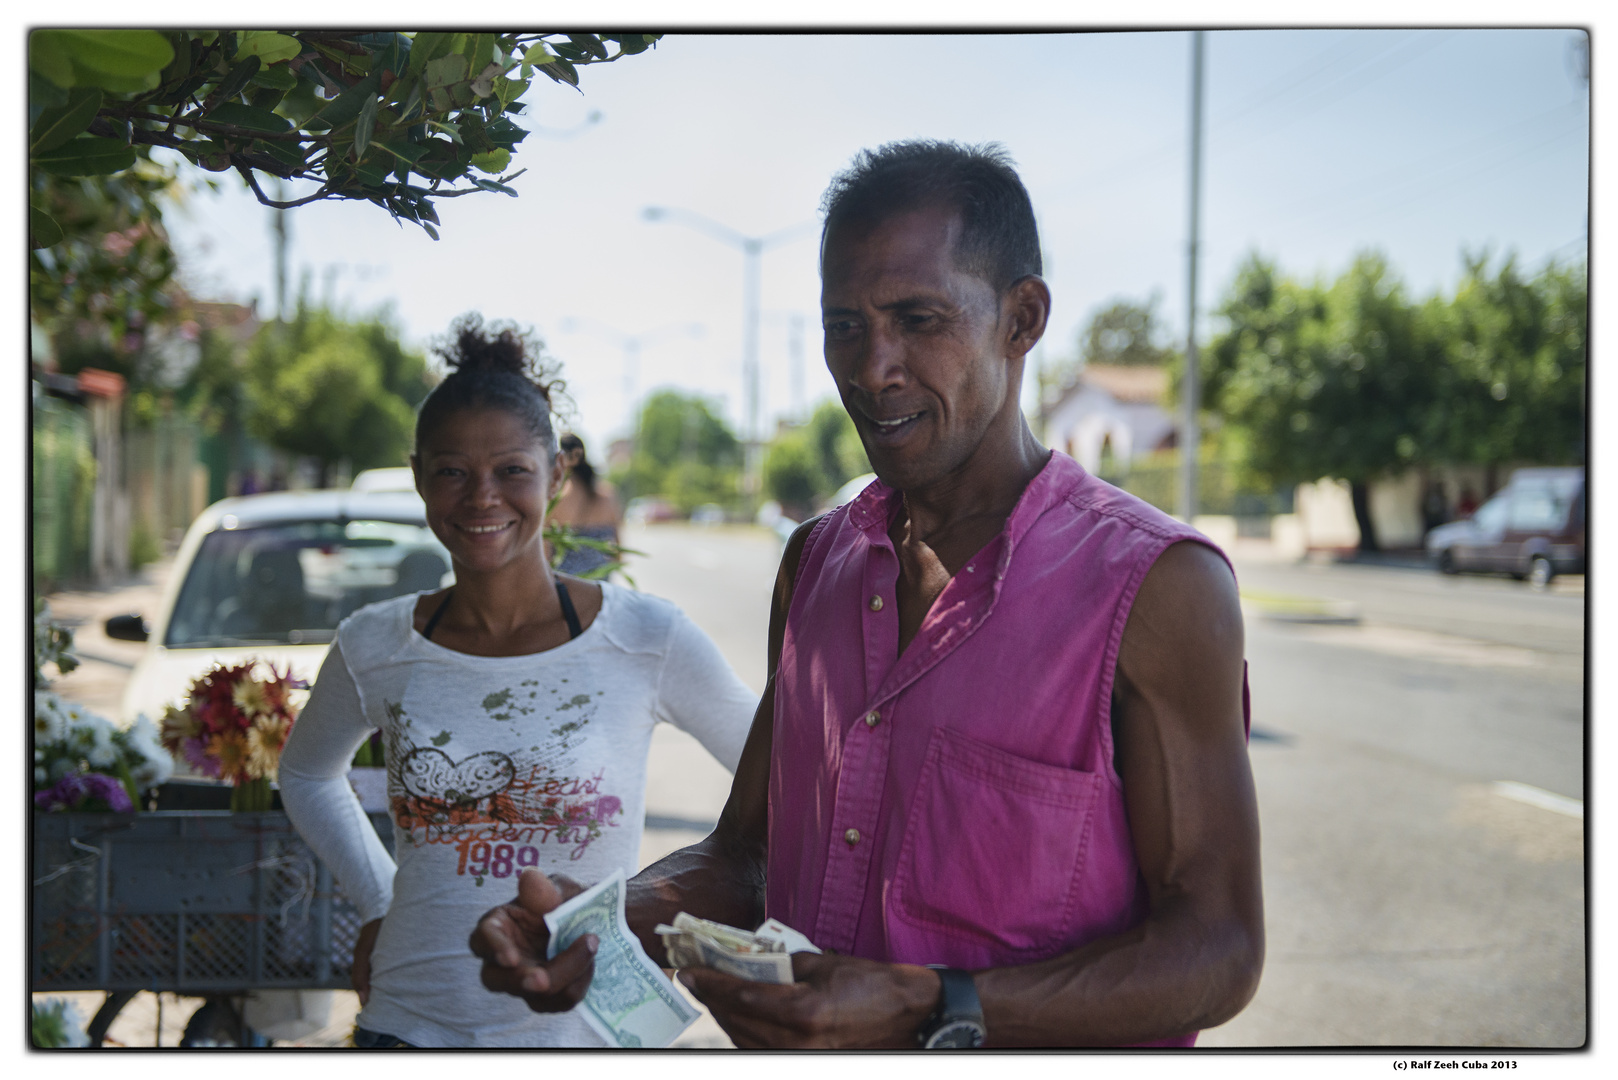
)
(499, 807)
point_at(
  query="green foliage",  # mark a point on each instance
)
(110, 270)
(333, 389)
(1324, 381)
(391, 118)
(57, 1023)
(684, 451)
(807, 464)
(792, 473)
(1125, 333)
(1352, 380)
(1515, 372)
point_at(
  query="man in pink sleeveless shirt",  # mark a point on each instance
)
(999, 773)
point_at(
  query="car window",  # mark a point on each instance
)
(291, 584)
(1491, 516)
(1539, 507)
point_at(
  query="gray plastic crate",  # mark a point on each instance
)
(186, 901)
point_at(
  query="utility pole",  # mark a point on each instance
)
(752, 248)
(1190, 391)
(278, 225)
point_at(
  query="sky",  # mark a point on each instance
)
(1319, 144)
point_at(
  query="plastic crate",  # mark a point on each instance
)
(186, 901)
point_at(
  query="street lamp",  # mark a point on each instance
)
(751, 247)
(631, 344)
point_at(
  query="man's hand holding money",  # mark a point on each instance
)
(835, 1001)
(511, 941)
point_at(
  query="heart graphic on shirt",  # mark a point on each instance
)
(428, 773)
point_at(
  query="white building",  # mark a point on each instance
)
(1111, 408)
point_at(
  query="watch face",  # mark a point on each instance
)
(957, 1035)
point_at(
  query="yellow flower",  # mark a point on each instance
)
(178, 726)
(264, 742)
(249, 696)
(230, 750)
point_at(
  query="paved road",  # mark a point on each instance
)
(1410, 899)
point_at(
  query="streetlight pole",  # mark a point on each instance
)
(752, 249)
(1190, 437)
(631, 345)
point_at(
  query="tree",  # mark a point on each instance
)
(334, 390)
(391, 118)
(1125, 333)
(809, 463)
(394, 119)
(683, 450)
(1320, 381)
(1516, 360)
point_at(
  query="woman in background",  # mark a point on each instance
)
(588, 506)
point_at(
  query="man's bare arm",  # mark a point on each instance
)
(1194, 962)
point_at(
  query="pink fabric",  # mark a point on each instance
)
(990, 820)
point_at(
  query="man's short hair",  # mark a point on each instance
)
(998, 242)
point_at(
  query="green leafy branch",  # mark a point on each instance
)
(394, 119)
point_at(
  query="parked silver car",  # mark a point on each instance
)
(1532, 528)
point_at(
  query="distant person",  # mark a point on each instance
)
(1467, 504)
(589, 506)
(516, 708)
(1004, 729)
(250, 484)
(1434, 507)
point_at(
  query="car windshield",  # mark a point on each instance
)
(292, 583)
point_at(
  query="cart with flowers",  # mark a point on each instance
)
(201, 887)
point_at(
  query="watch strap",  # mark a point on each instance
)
(957, 1004)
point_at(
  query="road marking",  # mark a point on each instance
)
(1545, 800)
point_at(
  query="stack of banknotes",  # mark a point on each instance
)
(631, 1003)
(762, 955)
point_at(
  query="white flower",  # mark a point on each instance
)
(152, 771)
(50, 719)
(102, 752)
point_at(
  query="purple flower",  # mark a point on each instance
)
(196, 753)
(79, 791)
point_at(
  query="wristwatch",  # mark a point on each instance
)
(957, 1023)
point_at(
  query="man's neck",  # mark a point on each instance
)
(986, 487)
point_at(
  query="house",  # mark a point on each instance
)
(1112, 412)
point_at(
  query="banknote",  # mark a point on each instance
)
(763, 955)
(631, 1003)
(776, 930)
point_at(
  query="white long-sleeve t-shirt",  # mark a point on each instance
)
(494, 764)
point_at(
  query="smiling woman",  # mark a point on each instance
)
(516, 710)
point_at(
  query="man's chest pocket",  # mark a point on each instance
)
(993, 847)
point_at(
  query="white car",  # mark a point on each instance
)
(270, 577)
(394, 478)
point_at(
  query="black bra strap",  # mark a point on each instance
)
(438, 613)
(572, 617)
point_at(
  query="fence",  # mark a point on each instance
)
(1157, 480)
(64, 490)
(166, 481)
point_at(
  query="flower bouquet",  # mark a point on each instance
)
(232, 726)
